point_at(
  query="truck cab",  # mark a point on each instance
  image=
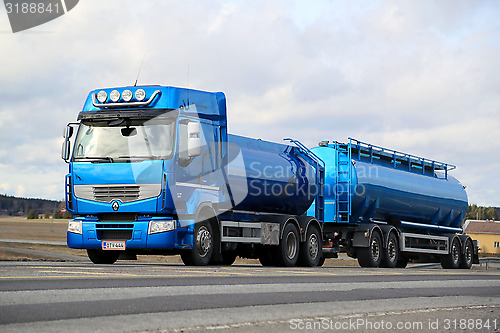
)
(142, 164)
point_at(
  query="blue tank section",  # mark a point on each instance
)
(269, 177)
(383, 188)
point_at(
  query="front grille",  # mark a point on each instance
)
(117, 217)
(123, 193)
(114, 234)
(114, 226)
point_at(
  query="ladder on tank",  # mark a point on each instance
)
(319, 166)
(343, 182)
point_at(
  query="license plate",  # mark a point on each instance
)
(113, 245)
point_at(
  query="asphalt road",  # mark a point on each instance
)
(130, 297)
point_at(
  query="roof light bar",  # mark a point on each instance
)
(115, 96)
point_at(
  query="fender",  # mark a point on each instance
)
(363, 233)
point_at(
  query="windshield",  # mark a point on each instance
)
(120, 139)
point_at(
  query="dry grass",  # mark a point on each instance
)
(55, 230)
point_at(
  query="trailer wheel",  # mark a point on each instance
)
(310, 250)
(229, 257)
(102, 257)
(265, 256)
(452, 259)
(391, 252)
(371, 256)
(286, 253)
(467, 255)
(321, 261)
(402, 261)
(203, 246)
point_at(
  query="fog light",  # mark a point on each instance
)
(75, 227)
(161, 226)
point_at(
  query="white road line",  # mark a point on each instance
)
(107, 294)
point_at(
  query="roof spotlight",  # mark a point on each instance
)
(127, 95)
(140, 94)
(114, 95)
(102, 96)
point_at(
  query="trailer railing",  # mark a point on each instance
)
(399, 159)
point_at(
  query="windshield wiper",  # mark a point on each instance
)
(96, 158)
(140, 157)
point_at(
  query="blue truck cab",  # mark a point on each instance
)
(142, 166)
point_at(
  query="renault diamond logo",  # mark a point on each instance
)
(115, 205)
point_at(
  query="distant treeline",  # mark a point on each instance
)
(475, 212)
(14, 206)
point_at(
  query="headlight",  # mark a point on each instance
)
(161, 226)
(75, 227)
(114, 95)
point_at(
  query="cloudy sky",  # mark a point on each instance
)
(421, 77)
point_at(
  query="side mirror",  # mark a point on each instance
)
(68, 132)
(66, 146)
(194, 141)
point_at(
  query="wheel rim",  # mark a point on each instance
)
(203, 241)
(468, 252)
(391, 250)
(375, 249)
(455, 253)
(291, 245)
(313, 246)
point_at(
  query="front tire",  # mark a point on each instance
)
(203, 246)
(101, 257)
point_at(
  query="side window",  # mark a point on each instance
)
(184, 159)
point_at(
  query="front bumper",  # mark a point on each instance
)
(135, 234)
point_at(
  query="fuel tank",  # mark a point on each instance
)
(390, 186)
(268, 177)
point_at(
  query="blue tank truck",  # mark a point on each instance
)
(152, 170)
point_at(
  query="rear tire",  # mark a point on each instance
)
(101, 257)
(452, 259)
(391, 252)
(286, 253)
(310, 250)
(371, 256)
(203, 246)
(467, 255)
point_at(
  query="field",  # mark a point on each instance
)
(18, 228)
